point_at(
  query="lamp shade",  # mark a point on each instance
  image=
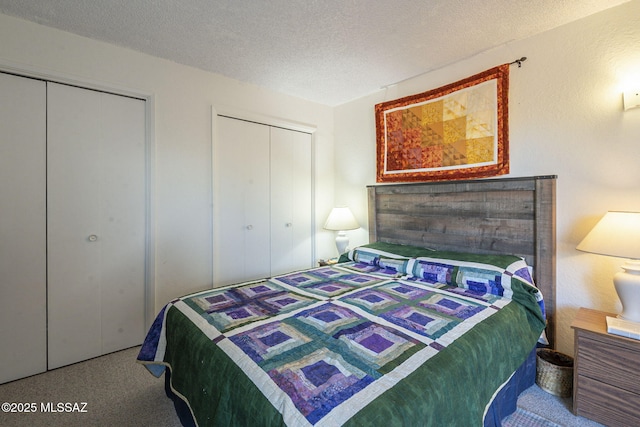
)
(616, 234)
(341, 219)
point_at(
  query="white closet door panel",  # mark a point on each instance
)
(74, 170)
(95, 223)
(282, 182)
(22, 227)
(291, 231)
(122, 221)
(241, 240)
(302, 203)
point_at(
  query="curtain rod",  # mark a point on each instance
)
(517, 61)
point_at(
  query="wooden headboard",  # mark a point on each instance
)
(506, 215)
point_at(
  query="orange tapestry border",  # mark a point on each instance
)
(457, 131)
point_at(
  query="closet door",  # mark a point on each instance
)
(23, 309)
(241, 203)
(96, 223)
(291, 228)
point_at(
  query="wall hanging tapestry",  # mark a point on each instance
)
(457, 131)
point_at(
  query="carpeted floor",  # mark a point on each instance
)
(554, 410)
(119, 392)
(522, 418)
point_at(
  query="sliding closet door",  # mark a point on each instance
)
(23, 310)
(241, 231)
(96, 223)
(291, 228)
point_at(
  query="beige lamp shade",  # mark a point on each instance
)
(341, 219)
(616, 234)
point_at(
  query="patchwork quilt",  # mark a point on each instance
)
(380, 339)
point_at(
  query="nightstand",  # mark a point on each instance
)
(324, 263)
(606, 376)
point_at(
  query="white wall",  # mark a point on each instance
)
(183, 98)
(565, 118)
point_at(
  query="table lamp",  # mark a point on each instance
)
(341, 219)
(618, 234)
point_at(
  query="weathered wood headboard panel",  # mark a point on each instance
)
(507, 215)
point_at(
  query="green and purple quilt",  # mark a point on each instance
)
(381, 339)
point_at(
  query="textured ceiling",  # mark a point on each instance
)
(328, 51)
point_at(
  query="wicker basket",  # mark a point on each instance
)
(554, 373)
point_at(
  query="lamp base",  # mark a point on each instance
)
(342, 241)
(627, 284)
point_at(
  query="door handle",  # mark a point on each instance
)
(93, 238)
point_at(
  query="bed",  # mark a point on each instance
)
(435, 322)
